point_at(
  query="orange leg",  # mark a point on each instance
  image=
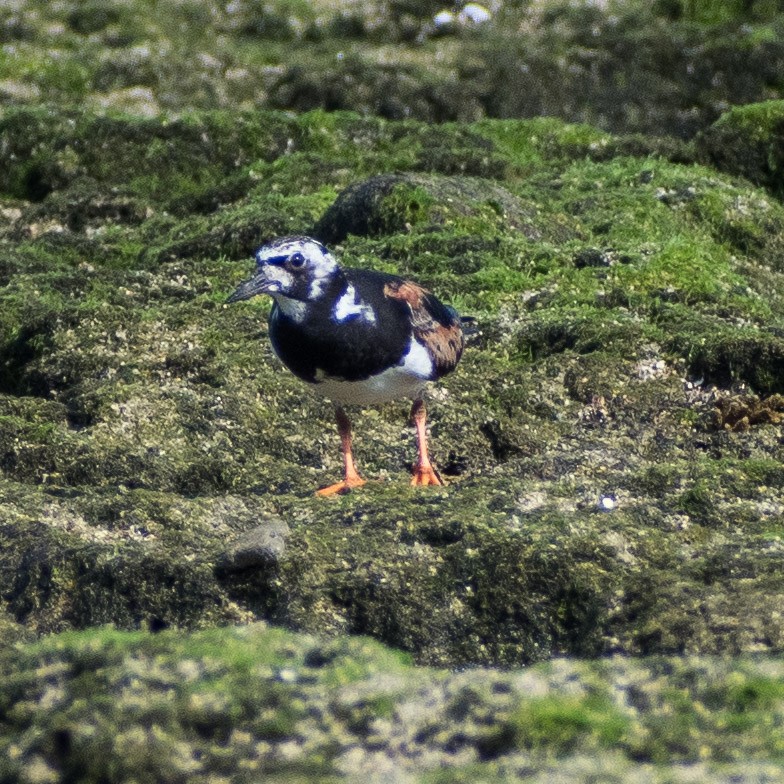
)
(424, 473)
(351, 477)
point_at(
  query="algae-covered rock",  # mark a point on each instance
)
(611, 439)
(667, 68)
(256, 548)
(395, 203)
(158, 464)
(241, 703)
(748, 141)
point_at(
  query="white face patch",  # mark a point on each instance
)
(320, 269)
(279, 275)
(313, 251)
(349, 306)
(316, 267)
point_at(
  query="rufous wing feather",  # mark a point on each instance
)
(435, 325)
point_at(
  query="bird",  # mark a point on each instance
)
(356, 336)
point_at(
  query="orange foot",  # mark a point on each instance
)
(425, 475)
(341, 488)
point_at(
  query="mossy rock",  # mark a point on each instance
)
(101, 559)
(748, 141)
(147, 430)
(394, 92)
(249, 701)
(392, 203)
(723, 353)
(46, 149)
(680, 69)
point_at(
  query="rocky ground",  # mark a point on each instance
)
(253, 703)
(611, 441)
(667, 67)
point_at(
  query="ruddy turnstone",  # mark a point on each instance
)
(356, 336)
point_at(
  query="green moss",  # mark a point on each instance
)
(746, 141)
(192, 694)
(726, 709)
(755, 121)
(560, 724)
(52, 153)
(123, 705)
(717, 13)
(143, 425)
(722, 353)
(697, 500)
(543, 140)
(389, 61)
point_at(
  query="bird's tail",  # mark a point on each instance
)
(470, 325)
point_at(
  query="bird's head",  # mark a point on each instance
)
(295, 268)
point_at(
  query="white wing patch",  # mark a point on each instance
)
(417, 361)
(349, 306)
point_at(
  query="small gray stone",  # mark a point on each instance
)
(258, 547)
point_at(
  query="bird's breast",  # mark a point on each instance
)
(352, 350)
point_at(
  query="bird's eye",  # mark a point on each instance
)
(296, 260)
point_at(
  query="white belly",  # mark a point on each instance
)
(386, 386)
(406, 380)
